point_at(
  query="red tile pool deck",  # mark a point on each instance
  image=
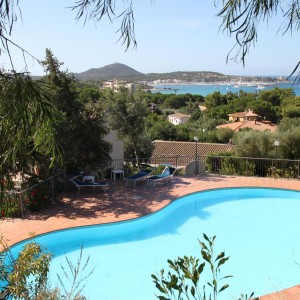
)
(92, 206)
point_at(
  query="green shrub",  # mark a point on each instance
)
(184, 280)
(37, 198)
(26, 277)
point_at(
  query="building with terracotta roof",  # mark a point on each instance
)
(247, 119)
(254, 125)
(243, 116)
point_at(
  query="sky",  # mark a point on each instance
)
(172, 35)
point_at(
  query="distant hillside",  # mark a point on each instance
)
(123, 72)
(108, 72)
(190, 76)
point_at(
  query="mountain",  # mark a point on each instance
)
(122, 72)
(112, 71)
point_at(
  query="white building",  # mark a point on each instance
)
(115, 85)
(178, 118)
(117, 153)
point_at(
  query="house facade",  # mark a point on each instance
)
(115, 85)
(178, 118)
(117, 154)
(247, 119)
(243, 116)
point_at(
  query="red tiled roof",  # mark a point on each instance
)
(255, 125)
(171, 149)
(250, 113)
(238, 114)
(233, 126)
(178, 115)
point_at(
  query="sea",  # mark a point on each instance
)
(204, 90)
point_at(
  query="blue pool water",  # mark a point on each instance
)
(257, 227)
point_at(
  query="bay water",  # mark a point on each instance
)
(204, 90)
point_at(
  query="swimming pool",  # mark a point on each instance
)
(257, 227)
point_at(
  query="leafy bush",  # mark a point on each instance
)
(37, 198)
(237, 166)
(185, 278)
(214, 161)
(23, 277)
(9, 204)
(228, 165)
(26, 277)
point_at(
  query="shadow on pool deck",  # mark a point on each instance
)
(93, 206)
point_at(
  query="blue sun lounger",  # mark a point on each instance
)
(164, 177)
(79, 184)
(140, 176)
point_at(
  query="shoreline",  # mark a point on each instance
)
(204, 89)
(246, 84)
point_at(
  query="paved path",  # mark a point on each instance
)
(121, 203)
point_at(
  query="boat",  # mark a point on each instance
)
(260, 87)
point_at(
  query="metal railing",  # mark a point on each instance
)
(177, 161)
(17, 203)
(226, 165)
(259, 167)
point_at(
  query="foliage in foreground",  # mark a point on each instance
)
(26, 277)
(186, 279)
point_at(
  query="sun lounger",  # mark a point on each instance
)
(79, 184)
(164, 177)
(140, 176)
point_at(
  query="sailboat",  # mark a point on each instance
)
(237, 84)
(260, 87)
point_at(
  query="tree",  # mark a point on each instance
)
(224, 135)
(240, 103)
(195, 116)
(126, 114)
(82, 127)
(290, 143)
(252, 143)
(291, 107)
(276, 95)
(264, 109)
(242, 18)
(28, 120)
(162, 130)
(215, 99)
(89, 95)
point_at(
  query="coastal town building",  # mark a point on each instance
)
(248, 119)
(243, 116)
(115, 85)
(178, 118)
